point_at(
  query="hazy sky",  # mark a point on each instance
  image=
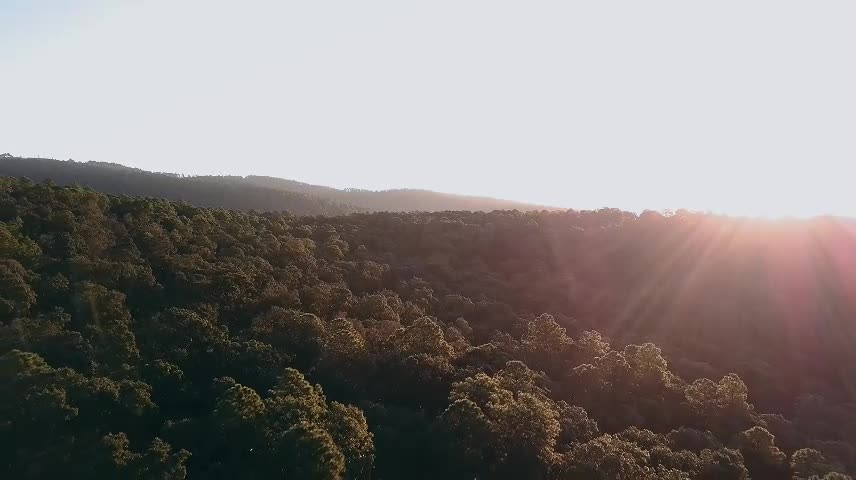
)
(743, 107)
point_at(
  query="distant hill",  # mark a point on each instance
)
(245, 193)
(201, 191)
(396, 200)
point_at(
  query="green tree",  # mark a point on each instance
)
(762, 457)
(106, 325)
(546, 346)
(809, 463)
(300, 335)
(16, 294)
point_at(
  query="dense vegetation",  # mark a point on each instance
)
(204, 191)
(141, 338)
(243, 193)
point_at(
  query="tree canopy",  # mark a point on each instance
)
(143, 338)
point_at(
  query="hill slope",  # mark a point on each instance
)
(397, 200)
(202, 191)
(245, 193)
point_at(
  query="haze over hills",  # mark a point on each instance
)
(395, 200)
(246, 193)
(643, 267)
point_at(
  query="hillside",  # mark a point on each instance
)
(203, 191)
(142, 338)
(397, 200)
(244, 193)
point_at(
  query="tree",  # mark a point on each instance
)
(723, 463)
(349, 430)
(239, 409)
(762, 457)
(16, 246)
(546, 346)
(106, 324)
(606, 457)
(300, 335)
(309, 452)
(16, 294)
(505, 423)
(809, 463)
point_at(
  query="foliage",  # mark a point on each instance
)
(141, 338)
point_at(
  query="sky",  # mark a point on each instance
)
(740, 107)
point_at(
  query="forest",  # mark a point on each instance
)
(252, 192)
(142, 338)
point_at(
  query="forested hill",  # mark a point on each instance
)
(141, 338)
(397, 200)
(221, 192)
(244, 193)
